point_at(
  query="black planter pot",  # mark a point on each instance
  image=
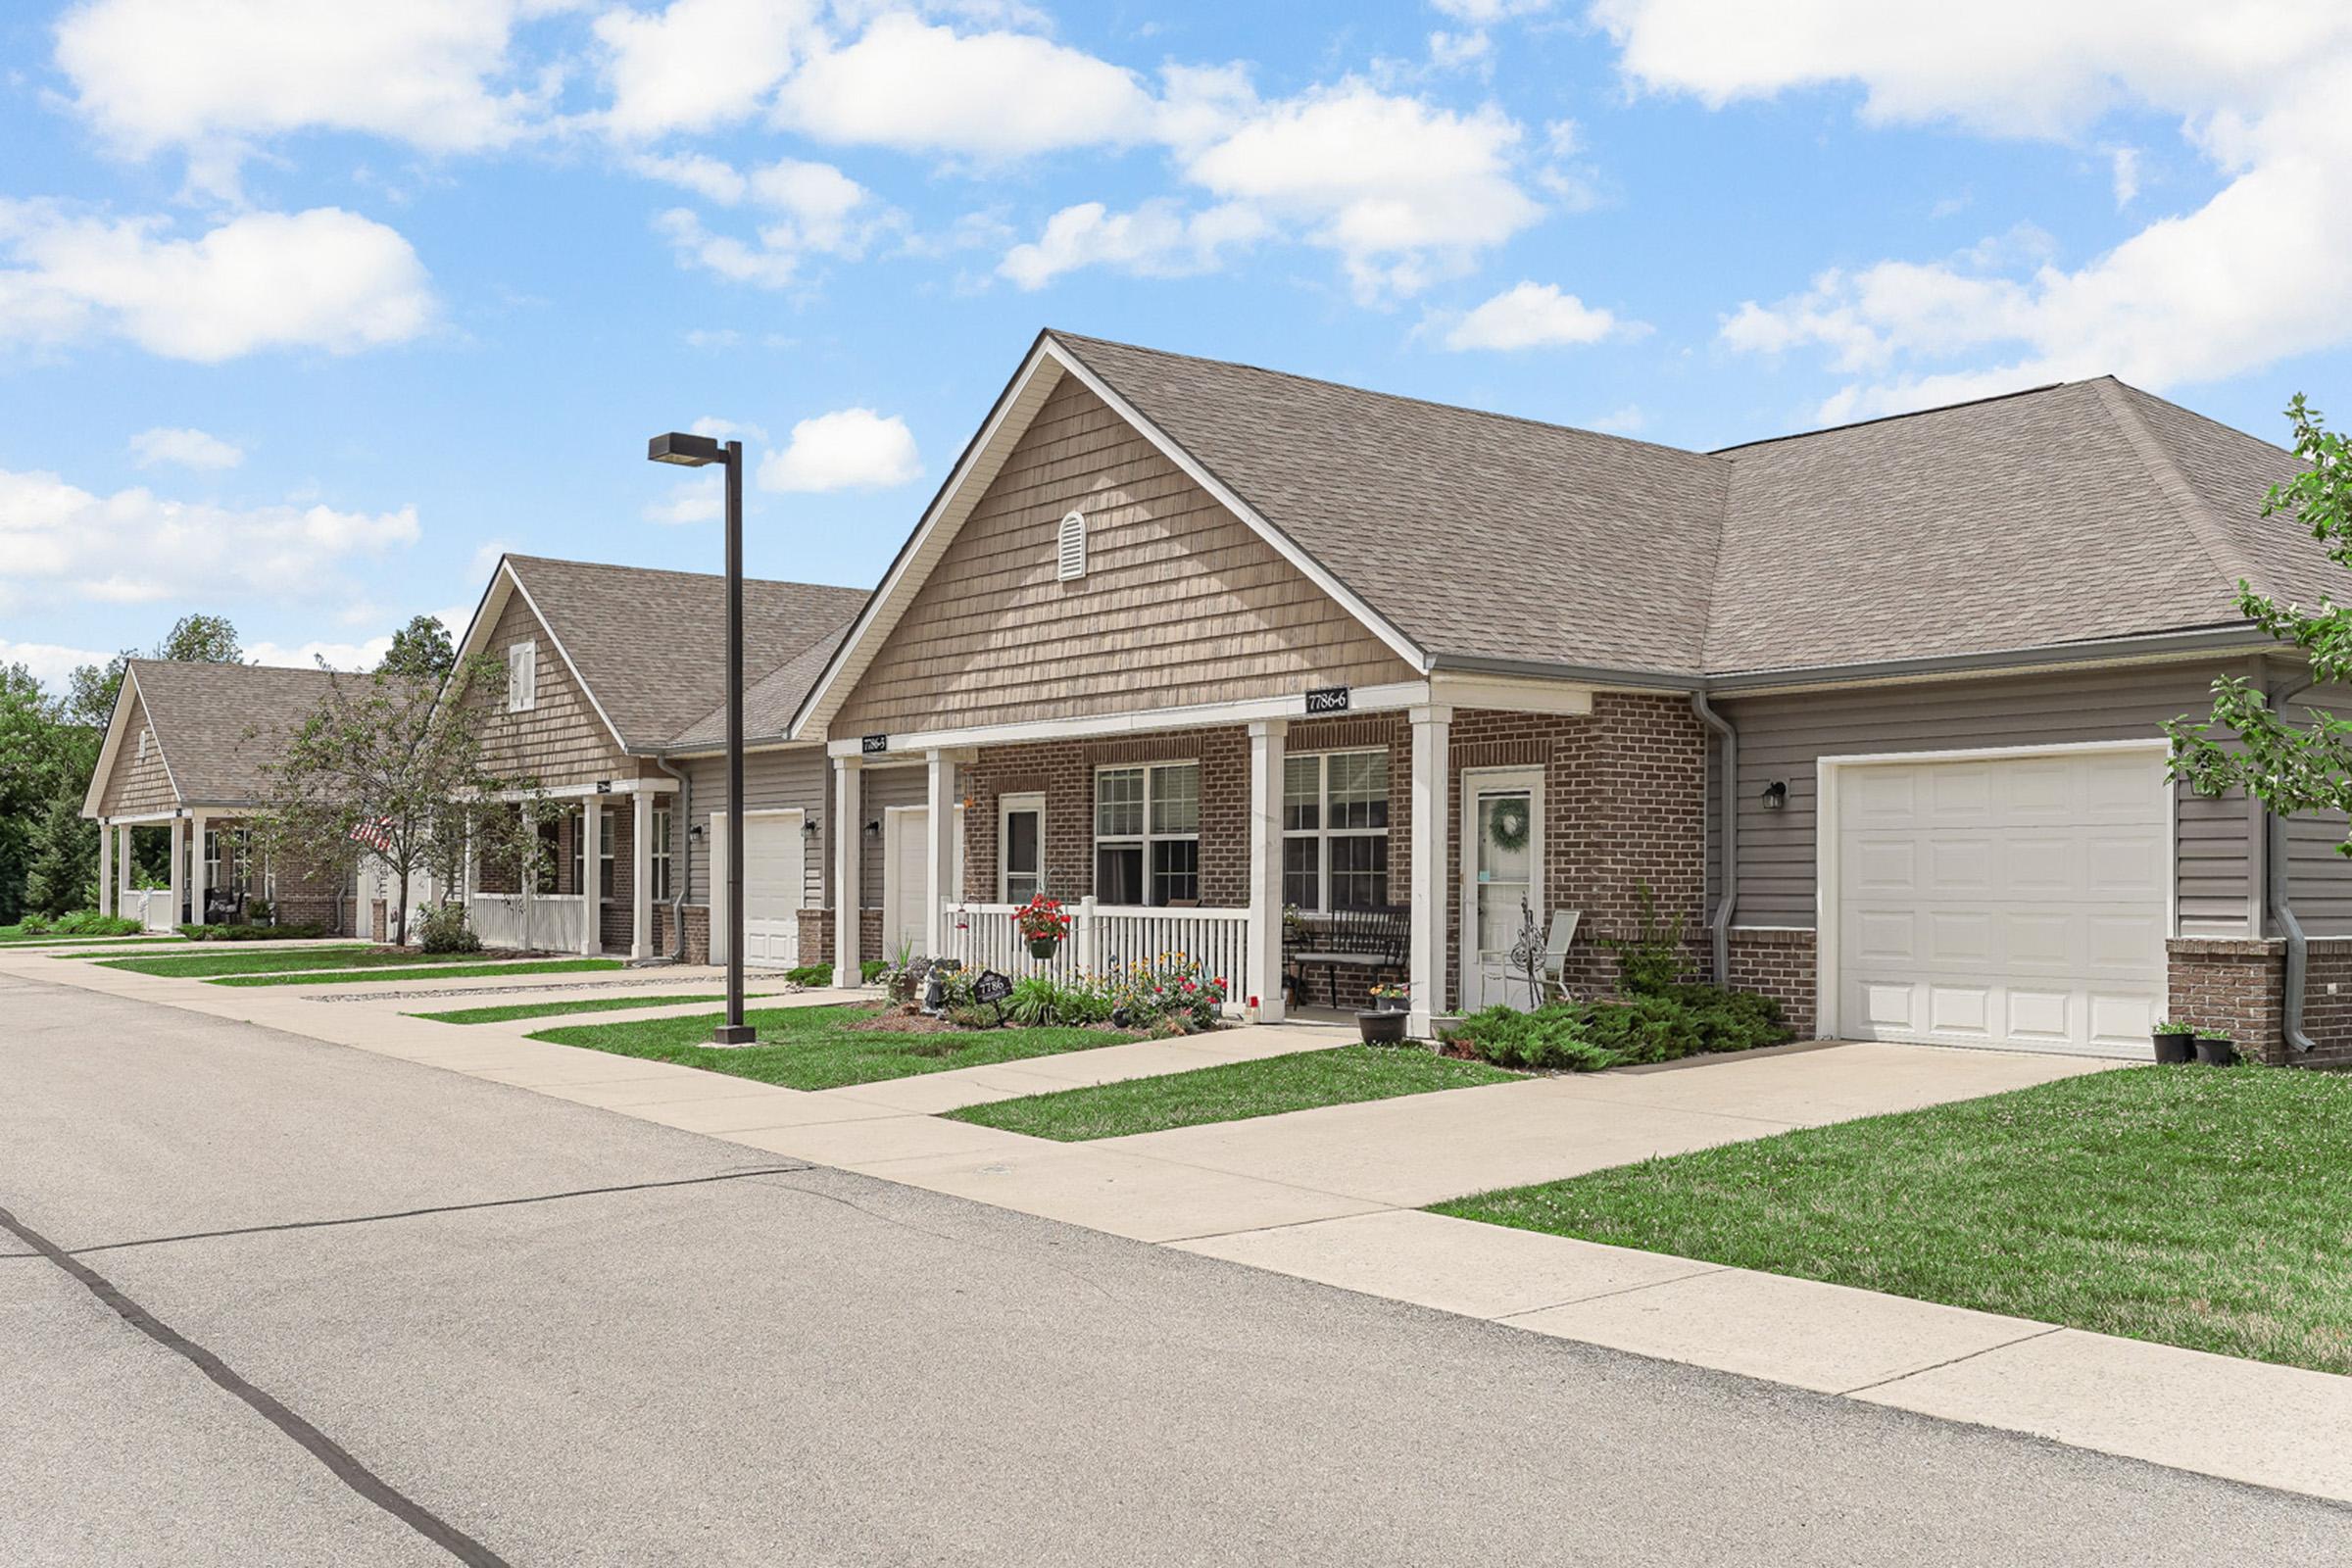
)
(2175, 1047)
(2215, 1053)
(1381, 1027)
(1044, 946)
(1391, 1004)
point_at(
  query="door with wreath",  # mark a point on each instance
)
(1503, 879)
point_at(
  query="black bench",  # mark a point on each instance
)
(222, 906)
(1376, 941)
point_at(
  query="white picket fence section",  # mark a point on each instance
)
(543, 920)
(152, 908)
(1104, 937)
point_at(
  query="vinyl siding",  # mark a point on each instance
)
(884, 787)
(1181, 602)
(560, 741)
(1784, 738)
(133, 786)
(772, 780)
(2319, 879)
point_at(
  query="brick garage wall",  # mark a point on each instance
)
(1782, 965)
(2239, 985)
(695, 918)
(816, 936)
(1624, 808)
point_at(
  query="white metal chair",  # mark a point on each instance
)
(1556, 952)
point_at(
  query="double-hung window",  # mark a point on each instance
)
(1147, 834)
(660, 853)
(1335, 830)
(604, 851)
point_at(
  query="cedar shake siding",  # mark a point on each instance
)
(137, 785)
(560, 740)
(1181, 602)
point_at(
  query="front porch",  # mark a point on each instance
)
(207, 870)
(604, 883)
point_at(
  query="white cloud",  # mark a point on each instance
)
(2124, 171)
(849, 449)
(1404, 191)
(1157, 239)
(338, 656)
(1536, 316)
(699, 173)
(1486, 12)
(1629, 419)
(692, 498)
(190, 449)
(49, 663)
(324, 279)
(2254, 274)
(815, 209)
(215, 78)
(135, 547)
(697, 64)
(922, 88)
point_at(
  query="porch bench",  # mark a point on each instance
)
(1376, 941)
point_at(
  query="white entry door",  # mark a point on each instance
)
(774, 877)
(2020, 901)
(1502, 880)
(906, 884)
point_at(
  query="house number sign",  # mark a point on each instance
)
(875, 743)
(1327, 699)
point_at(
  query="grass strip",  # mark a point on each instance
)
(340, 955)
(2195, 1206)
(810, 1048)
(549, 1009)
(383, 976)
(1234, 1091)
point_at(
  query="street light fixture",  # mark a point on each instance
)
(695, 452)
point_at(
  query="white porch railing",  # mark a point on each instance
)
(151, 907)
(543, 920)
(1105, 937)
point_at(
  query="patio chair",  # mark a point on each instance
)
(1556, 952)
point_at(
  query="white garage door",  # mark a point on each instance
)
(2018, 901)
(774, 866)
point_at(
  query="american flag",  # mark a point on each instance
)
(376, 835)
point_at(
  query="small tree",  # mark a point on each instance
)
(421, 651)
(2243, 743)
(383, 772)
(201, 639)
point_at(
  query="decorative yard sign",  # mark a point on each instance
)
(1327, 699)
(991, 987)
(875, 743)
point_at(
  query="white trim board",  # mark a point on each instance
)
(1826, 868)
(1142, 721)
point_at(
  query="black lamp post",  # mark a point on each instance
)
(695, 452)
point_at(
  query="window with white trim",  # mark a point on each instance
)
(604, 851)
(1069, 551)
(1147, 834)
(212, 856)
(660, 853)
(522, 677)
(1020, 846)
(1335, 830)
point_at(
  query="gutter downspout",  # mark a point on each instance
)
(684, 828)
(1719, 924)
(2283, 909)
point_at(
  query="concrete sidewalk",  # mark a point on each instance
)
(1333, 1195)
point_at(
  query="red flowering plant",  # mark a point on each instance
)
(1171, 985)
(1042, 920)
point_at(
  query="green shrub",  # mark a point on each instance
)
(257, 933)
(1034, 1002)
(1651, 960)
(813, 976)
(444, 930)
(34, 925)
(873, 970)
(1588, 1037)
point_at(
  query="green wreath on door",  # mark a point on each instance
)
(1508, 825)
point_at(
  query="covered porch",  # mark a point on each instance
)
(212, 873)
(604, 879)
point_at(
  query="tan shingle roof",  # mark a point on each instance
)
(2082, 511)
(651, 645)
(202, 713)
(769, 703)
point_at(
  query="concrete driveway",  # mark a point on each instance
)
(537, 1332)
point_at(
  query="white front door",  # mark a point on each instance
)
(906, 884)
(774, 880)
(2019, 900)
(1021, 848)
(1502, 881)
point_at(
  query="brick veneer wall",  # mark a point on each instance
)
(816, 936)
(695, 918)
(2239, 985)
(1782, 965)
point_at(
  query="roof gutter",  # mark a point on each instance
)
(1719, 922)
(2283, 909)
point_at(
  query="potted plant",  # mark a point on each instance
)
(2175, 1043)
(1391, 998)
(2215, 1048)
(1043, 923)
(1381, 1027)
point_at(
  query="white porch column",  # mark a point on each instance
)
(179, 867)
(641, 876)
(1265, 866)
(105, 866)
(849, 839)
(939, 854)
(722, 926)
(122, 870)
(200, 879)
(1433, 801)
(592, 876)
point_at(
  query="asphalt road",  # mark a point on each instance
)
(610, 1343)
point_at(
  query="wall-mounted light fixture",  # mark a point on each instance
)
(1776, 795)
(873, 827)
(809, 828)
(695, 831)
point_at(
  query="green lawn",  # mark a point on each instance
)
(381, 975)
(1232, 1092)
(549, 1009)
(47, 941)
(2195, 1206)
(335, 955)
(811, 1050)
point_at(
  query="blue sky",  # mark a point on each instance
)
(307, 309)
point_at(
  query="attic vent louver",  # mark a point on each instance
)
(1070, 561)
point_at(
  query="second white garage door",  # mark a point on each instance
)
(774, 863)
(2015, 901)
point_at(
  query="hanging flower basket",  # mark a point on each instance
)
(1044, 924)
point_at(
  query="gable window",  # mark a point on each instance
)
(1147, 834)
(1070, 555)
(1335, 830)
(522, 677)
(660, 853)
